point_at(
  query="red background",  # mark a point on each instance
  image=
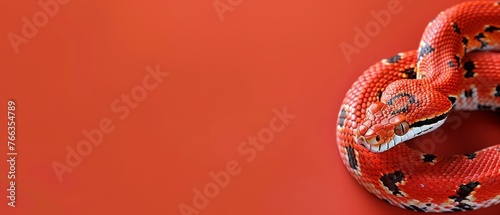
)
(225, 79)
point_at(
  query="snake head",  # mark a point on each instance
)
(380, 126)
(405, 110)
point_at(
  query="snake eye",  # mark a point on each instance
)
(402, 128)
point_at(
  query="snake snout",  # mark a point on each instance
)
(362, 141)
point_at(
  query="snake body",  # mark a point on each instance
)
(410, 94)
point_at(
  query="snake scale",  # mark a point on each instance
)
(411, 94)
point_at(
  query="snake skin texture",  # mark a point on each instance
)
(410, 94)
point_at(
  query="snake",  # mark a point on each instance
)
(455, 68)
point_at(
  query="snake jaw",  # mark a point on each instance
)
(362, 141)
(363, 128)
(374, 136)
(380, 131)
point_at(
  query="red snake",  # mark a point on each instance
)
(411, 94)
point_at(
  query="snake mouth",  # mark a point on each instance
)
(384, 146)
(416, 129)
(376, 148)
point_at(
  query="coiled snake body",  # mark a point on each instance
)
(411, 94)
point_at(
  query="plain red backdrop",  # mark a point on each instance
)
(226, 77)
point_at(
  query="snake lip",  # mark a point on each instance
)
(430, 121)
(362, 141)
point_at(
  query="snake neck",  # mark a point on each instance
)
(440, 61)
(447, 84)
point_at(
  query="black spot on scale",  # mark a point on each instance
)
(497, 91)
(353, 163)
(411, 98)
(429, 158)
(465, 207)
(491, 28)
(389, 181)
(465, 41)
(341, 118)
(414, 208)
(410, 73)
(452, 99)
(468, 93)
(462, 207)
(483, 107)
(451, 64)
(398, 111)
(471, 156)
(464, 190)
(469, 67)
(479, 38)
(457, 59)
(393, 59)
(379, 95)
(455, 28)
(423, 50)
